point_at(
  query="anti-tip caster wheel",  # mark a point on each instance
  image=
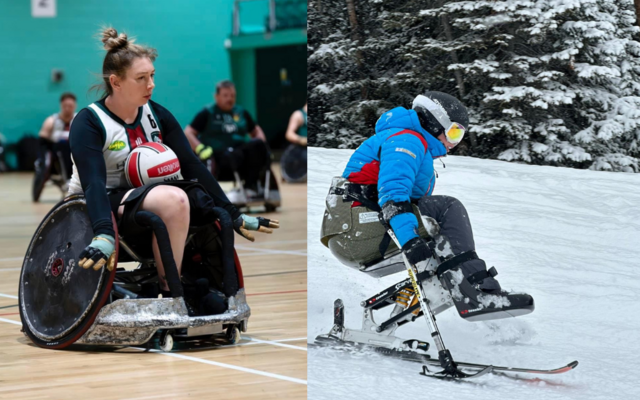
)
(233, 334)
(165, 342)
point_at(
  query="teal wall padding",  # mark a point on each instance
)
(244, 76)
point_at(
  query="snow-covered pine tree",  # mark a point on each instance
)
(357, 73)
(547, 81)
(550, 81)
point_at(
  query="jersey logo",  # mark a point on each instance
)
(236, 117)
(156, 137)
(136, 137)
(117, 145)
(230, 128)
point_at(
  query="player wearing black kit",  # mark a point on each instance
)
(225, 135)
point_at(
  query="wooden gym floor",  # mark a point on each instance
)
(269, 362)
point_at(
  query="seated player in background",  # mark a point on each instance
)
(293, 163)
(54, 139)
(226, 135)
(297, 129)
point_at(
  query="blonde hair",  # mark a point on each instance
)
(121, 51)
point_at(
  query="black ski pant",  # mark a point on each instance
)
(455, 236)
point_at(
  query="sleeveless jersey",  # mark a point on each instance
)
(302, 131)
(225, 128)
(60, 128)
(120, 140)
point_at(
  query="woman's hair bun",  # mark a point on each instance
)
(113, 41)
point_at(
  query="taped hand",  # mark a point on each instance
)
(98, 253)
(244, 223)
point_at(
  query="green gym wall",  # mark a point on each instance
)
(189, 36)
(195, 50)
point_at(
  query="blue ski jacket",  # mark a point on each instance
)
(399, 159)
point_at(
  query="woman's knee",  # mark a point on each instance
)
(167, 202)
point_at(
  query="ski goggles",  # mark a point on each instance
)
(455, 133)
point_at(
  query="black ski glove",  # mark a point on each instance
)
(416, 250)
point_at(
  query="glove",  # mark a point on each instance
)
(416, 251)
(204, 152)
(244, 223)
(98, 252)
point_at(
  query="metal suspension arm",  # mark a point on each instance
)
(446, 360)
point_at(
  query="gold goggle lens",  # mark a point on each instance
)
(455, 133)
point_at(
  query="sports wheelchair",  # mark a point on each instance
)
(293, 164)
(50, 167)
(63, 304)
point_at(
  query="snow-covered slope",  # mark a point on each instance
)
(570, 238)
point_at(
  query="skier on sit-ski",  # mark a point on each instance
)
(393, 172)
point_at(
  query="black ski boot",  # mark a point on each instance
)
(478, 297)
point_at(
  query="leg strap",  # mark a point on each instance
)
(480, 275)
(455, 261)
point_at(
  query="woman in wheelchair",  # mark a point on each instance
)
(102, 137)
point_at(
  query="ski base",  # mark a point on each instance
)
(330, 341)
(560, 370)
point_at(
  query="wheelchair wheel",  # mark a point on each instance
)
(58, 299)
(41, 176)
(293, 164)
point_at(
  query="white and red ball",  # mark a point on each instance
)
(151, 163)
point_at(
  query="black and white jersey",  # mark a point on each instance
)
(101, 142)
(119, 140)
(60, 129)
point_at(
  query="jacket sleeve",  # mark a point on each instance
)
(400, 159)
